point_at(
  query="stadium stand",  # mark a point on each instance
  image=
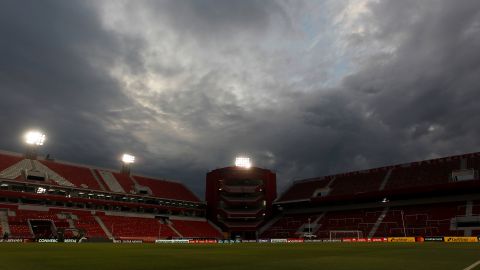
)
(432, 219)
(146, 228)
(357, 182)
(425, 173)
(476, 208)
(167, 189)
(198, 229)
(287, 226)
(112, 183)
(403, 176)
(7, 160)
(80, 176)
(86, 222)
(121, 226)
(358, 222)
(125, 181)
(303, 190)
(416, 199)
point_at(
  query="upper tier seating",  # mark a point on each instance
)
(125, 181)
(356, 183)
(473, 162)
(167, 189)
(303, 189)
(81, 177)
(415, 174)
(423, 173)
(8, 160)
(196, 229)
(89, 178)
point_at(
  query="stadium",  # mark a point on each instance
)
(239, 134)
(48, 201)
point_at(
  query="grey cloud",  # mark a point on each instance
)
(53, 76)
(428, 80)
(241, 89)
(221, 19)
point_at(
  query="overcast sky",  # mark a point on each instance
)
(305, 88)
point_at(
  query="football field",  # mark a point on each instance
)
(250, 256)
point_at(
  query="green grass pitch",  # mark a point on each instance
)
(250, 256)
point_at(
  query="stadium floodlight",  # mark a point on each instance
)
(128, 159)
(41, 190)
(243, 162)
(36, 138)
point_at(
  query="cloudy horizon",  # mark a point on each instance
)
(304, 88)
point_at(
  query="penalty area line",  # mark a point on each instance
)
(473, 265)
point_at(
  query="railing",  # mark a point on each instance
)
(241, 213)
(253, 199)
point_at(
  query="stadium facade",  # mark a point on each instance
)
(41, 198)
(239, 200)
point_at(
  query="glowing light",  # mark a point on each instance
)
(41, 190)
(127, 158)
(243, 162)
(35, 138)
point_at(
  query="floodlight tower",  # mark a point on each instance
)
(34, 139)
(243, 162)
(127, 161)
(239, 198)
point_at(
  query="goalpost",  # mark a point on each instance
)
(339, 234)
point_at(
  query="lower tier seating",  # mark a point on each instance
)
(417, 220)
(46, 224)
(287, 226)
(424, 220)
(196, 229)
(121, 226)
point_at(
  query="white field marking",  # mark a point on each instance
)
(472, 266)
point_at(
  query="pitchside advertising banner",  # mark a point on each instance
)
(351, 240)
(401, 239)
(195, 241)
(41, 240)
(12, 240)
(433, 239)
(287, 240)
(447, 239)
(128, 241)
(455, 239)
(172, 241)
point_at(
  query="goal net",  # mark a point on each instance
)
(338, 234)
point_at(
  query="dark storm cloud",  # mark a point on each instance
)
(52, 77)
(426, 92)
(187, 85)
(207, 19)
(418, 102)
